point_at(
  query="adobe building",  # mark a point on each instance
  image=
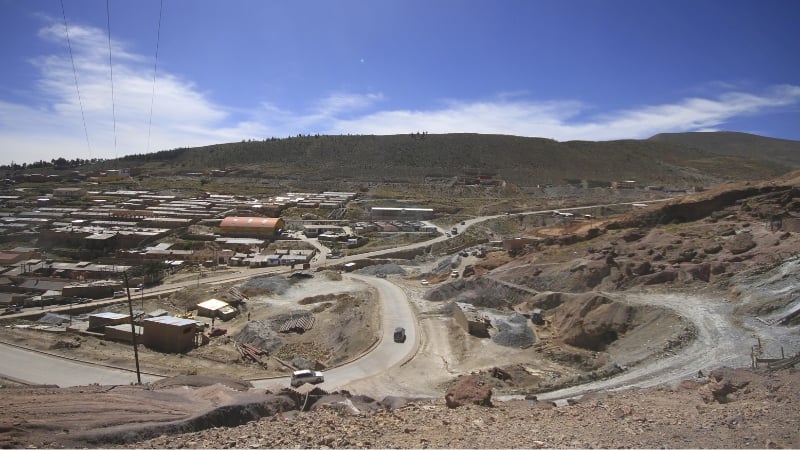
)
(377, 213)
(122, 333)
(169, 334)
(99, 289)
(98, 322)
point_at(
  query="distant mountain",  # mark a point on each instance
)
(669, 159)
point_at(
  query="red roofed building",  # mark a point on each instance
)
(251, 226)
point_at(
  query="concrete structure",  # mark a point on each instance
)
(99, 289)
(468, 317)
(169, 334)
(626, 184)
(401, 213)
(122, 333)
(216, 308)
(98, 322)
(314, 230)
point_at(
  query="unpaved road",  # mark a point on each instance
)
(718, 342)
(395, 312)
(42, 368)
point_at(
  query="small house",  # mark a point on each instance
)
(98, 322)
(169, 334)
(216, 308)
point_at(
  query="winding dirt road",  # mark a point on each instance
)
(718, 342)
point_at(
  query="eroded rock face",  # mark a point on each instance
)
(469, 391)
(724, 383)
(591, 321)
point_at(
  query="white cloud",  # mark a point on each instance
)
(563, 120)
(182, 116)
(51, 125)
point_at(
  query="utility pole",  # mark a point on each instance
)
(133, 330)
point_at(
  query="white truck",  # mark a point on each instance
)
(301, 377)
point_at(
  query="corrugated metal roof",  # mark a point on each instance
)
(171, 320)
(212, 304)
(109, 315)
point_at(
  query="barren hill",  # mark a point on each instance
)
(419, 158)
(737, 144)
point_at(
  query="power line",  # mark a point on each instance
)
(75, 74)
(111, 70)
(155, 70)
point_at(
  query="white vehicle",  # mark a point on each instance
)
(424, 282)
(454, 274)
(301, 377)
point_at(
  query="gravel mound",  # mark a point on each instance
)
(385, 269)
(53, 319)
(261, 334)
(513, 332)
(275, 285)
(481, 292)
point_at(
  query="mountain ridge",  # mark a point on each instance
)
(670, 159)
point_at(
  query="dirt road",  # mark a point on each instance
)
(718, 342)
(41, 368)
(395, 312)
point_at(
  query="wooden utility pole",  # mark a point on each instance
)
(133, 330)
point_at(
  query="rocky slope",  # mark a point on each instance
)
(729, 408)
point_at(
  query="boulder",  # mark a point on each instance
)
(741, 243)
(664, 276)
(724, 382)
(469, 390)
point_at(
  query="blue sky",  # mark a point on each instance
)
(252, 69)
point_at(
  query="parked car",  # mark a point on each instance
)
(301, 377)
(424, 282)
(454, 274)
(381, 275)
(217, 332)
(400, 334)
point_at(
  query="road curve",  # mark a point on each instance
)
(718, 342)
(395, 312)
(42, 368)
(34, 367)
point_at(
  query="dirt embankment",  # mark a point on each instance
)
(730, 408)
